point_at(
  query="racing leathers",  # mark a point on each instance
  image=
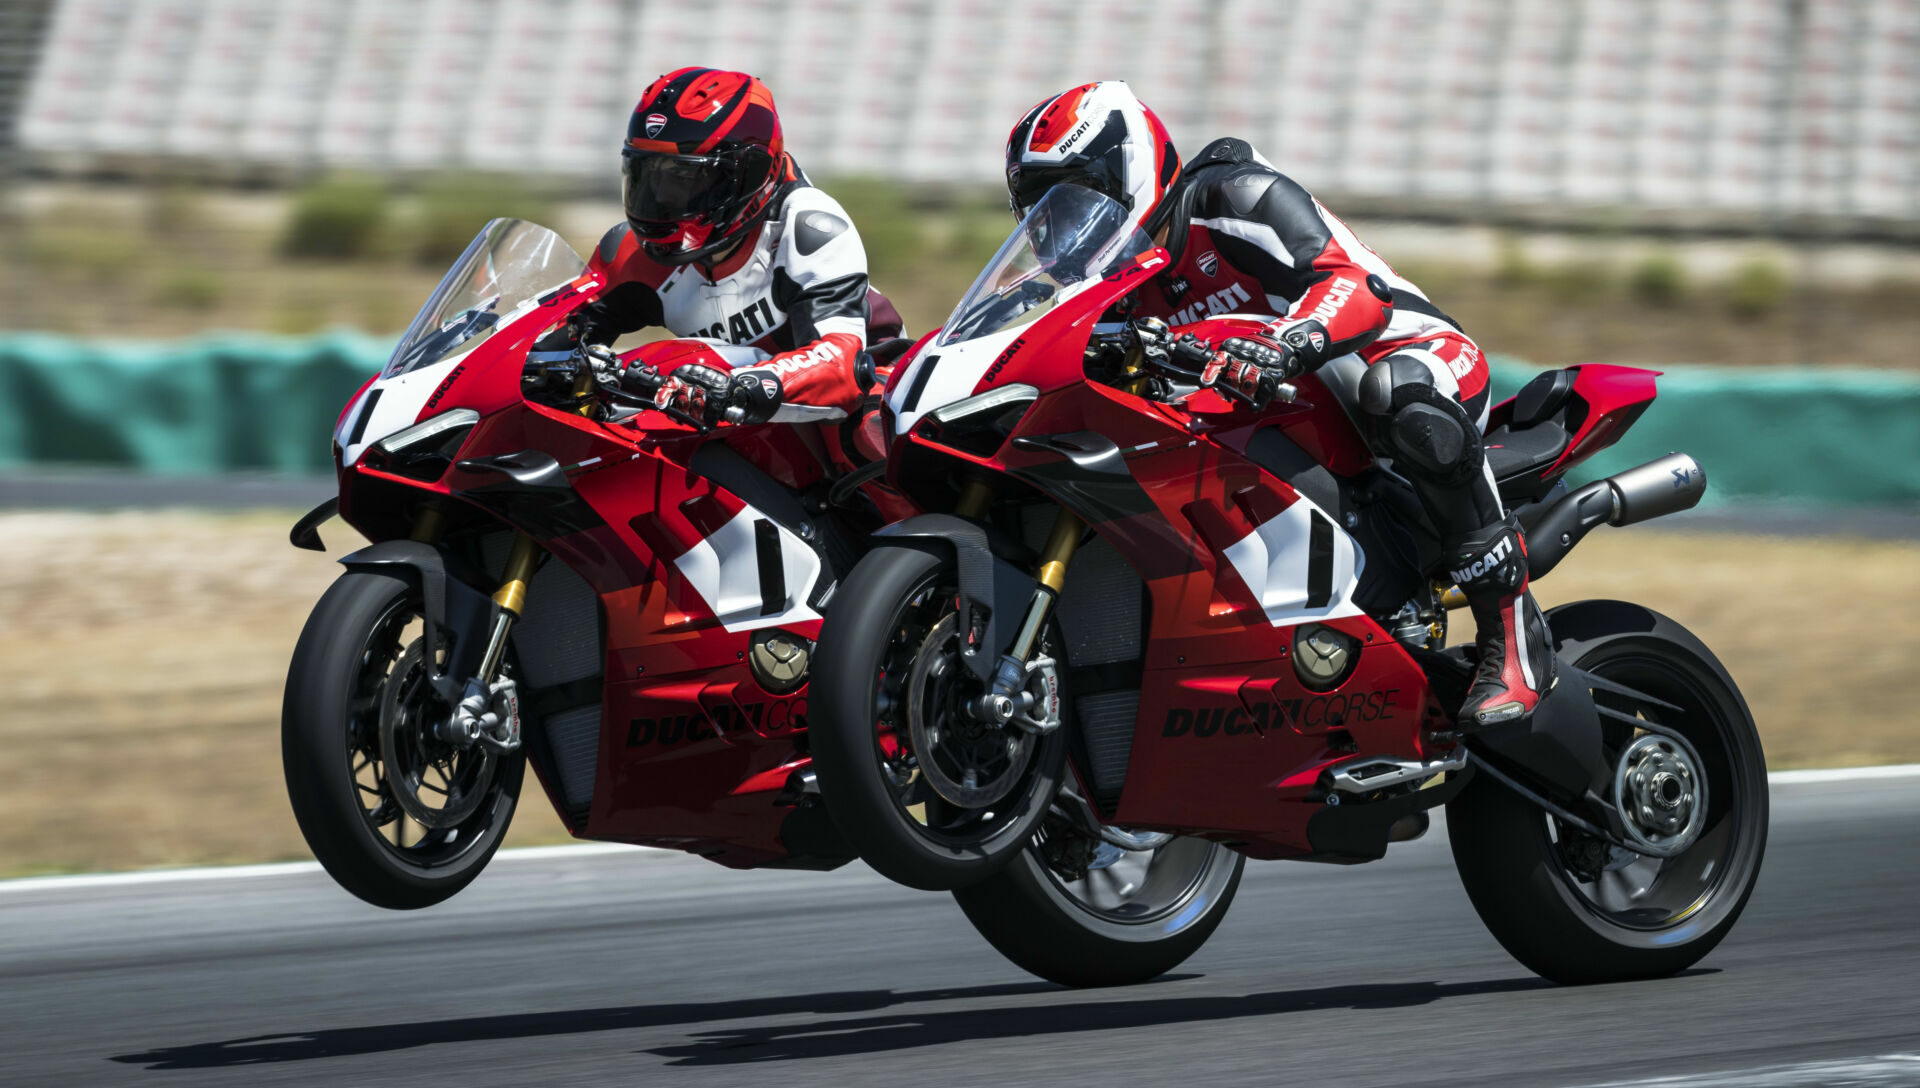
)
(792, 301)
(1245, 239)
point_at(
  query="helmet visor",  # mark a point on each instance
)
(662, 188)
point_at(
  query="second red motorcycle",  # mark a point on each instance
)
(1139, 636)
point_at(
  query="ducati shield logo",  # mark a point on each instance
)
(1209, 262)
(655, 122)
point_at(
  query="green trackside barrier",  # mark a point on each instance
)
(257, 403)
(206, 405)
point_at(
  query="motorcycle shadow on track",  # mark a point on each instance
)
(906, 1031)
(879, 1032)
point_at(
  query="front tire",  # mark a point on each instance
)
(894, 609)
(1135, 919)
(351, 734)
(1567, 907)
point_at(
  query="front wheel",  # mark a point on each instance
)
(395, 815)
(930, 795)
(1573, 908)
(1118, 909)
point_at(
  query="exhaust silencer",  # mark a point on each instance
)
(1664, 486)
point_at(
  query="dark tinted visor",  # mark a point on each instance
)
(662, 188)
(1029, 185)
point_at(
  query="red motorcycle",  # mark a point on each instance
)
(562, 574)
(1140, 635)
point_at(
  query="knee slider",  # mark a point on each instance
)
(1441, 444)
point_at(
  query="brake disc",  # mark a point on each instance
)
(415, 757)
(968, 762)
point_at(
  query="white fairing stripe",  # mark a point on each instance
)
(1274, 558)
(401, 400)
(1259, 234)
(724, 569)
(957, 369)
(1520, 643)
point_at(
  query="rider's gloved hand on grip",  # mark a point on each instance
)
(1251, 370)
(696, 391)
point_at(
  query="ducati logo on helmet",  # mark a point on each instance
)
(1209, 262)
(655, 122)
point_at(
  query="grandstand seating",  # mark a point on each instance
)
(1768, 108)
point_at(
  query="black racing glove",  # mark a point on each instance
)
(1251, 369)
(711, 396)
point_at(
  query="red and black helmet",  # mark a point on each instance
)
(1100, 136)
(702, 161)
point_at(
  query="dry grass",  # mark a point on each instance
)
(144, 654)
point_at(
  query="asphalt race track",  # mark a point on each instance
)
(636, 968)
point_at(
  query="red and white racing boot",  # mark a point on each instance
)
(1516, 666)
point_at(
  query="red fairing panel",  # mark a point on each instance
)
(1614, 397)
(1233, 740)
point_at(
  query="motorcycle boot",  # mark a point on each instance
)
(1516, 664)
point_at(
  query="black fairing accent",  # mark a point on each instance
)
(1360, 831)
(1091, 478)
(986, 581)
(458, 615)
(306, 531)
(536, 495)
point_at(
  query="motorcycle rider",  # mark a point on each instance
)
(725, 239)
(1244, 238)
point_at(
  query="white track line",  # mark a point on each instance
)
(1891, 1070)
(1842, 774)
(591, 849)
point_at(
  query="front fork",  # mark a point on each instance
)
(488, 712)
(1025, 689)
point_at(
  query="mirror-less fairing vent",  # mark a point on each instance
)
(558, 651)
(1103, 614)
(1319, 561)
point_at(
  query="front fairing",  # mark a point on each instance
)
(1048, 354)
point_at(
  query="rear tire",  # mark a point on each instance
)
(1649, 917)
(858, 756)
(328, 736)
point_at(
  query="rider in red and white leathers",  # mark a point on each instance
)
(1246, 239)
(726, 240)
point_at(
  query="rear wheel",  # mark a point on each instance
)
(1575, 909)
(1110, 910)
(930, 795)
(396, 816)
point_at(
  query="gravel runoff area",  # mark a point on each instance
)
(144, 652)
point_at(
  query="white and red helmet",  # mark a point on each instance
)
(1100, 136)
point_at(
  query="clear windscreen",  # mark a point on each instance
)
(508, 265)
(1072, 235)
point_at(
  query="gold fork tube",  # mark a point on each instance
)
(973, 501)
(512, 594)
(1052, 576)
(427, 527)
